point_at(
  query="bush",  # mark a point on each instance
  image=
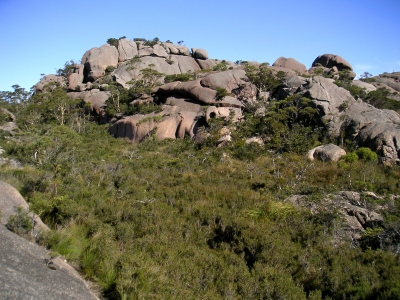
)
(221, 93)
(113, 42)
(222, 66)
(20, 223)
(178, 77)
(4, 117)
(109, 70)
(366, 154)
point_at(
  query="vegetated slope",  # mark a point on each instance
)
(179, 219)
(168, 220)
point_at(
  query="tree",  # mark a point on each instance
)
(263, 78)
(59, 105)
(113, 42)
(68, 69)
(150, 76)
(288, 123)
(365, 76)
(15, 100)
(55, 151)
(48, 107)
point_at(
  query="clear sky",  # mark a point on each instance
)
(40, 36)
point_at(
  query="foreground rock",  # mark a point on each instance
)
(10, 200)
(26, 269)
(26, 272)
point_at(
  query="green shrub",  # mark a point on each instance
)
(178, 77)
(222, 66)
(366, 154)
(221, 93)
(113, 42)
(109, 70)
(4, 117)
(20, 223)
(350, 157)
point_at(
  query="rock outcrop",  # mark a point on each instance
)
(364, 85)
(342, 114)
(355, 217)
(389, 81)
(216, 93)
(199, 53)
(76, 77)
(96, 98)
(50, 81)
(331, 60)
(9, 124)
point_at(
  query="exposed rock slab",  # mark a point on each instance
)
(389, 81)
(127, 49)
(10, 200)
(24, 273)
(364, 85)
(229, 80)
(192, 89)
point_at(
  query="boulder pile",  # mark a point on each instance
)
(221, 89)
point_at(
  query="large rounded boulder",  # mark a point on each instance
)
(96, 60)
(332, 60)
(199, 53)
(328, 152)
(291, 64)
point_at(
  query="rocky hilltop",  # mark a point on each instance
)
(199, 89)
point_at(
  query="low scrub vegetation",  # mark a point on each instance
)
(177, 220)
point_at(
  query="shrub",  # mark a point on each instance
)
(222, 66)
(350, 157)
(4, 117)
(366, 154)
(20, 223)
(113, 42)
(109, 70)
(221, 93)
(178, 77)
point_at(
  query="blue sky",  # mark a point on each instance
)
(40, 36)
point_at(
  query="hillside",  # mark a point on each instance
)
(165, 174)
